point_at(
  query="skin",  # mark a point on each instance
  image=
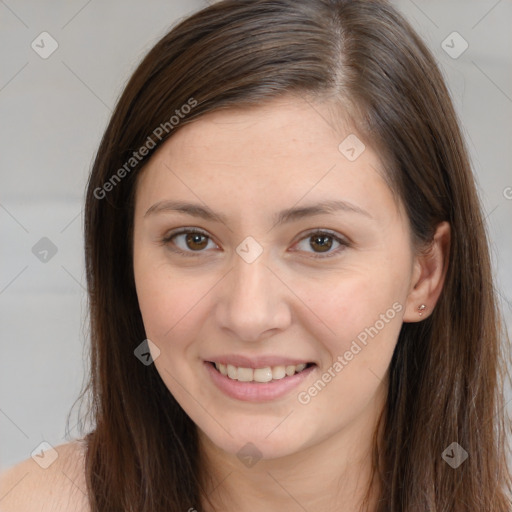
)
(248, 165)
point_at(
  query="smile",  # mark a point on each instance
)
(265, 374)
(258, 384)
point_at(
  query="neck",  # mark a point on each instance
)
(331, 475)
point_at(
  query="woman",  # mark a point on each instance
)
(291, 298)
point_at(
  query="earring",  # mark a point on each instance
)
(421, 308)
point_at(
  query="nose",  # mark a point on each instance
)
(252, 302)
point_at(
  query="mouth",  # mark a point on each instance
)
(259, 375)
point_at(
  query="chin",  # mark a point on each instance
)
(254, 439)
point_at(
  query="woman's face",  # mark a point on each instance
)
(279, 276)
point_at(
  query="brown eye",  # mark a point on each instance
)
(189, 242)
(196, 241)
(323, 243)
(193, 242)
(318, 243)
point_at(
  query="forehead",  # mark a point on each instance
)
(276, 153)
(283, 129)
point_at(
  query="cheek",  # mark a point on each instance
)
(163, 302)
(361, 320)
(156, 294)
(170, 306)
(341, 312)
(172, 303)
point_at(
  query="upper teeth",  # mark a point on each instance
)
(258, 374)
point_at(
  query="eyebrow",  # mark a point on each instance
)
(282, 217)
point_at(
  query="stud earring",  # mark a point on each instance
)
(421, 308)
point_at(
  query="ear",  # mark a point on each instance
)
(428, 276)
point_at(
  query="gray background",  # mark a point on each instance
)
(53, 112)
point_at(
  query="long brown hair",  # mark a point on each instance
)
(447, 372)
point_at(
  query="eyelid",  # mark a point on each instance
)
(166, 239)
(341, 239)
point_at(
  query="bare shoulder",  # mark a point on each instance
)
(55, 483)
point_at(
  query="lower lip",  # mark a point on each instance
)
(257, 391)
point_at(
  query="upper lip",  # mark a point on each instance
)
(256, 362)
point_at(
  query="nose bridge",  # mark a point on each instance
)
(252, 301)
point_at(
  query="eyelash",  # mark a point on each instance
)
(167, 239)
